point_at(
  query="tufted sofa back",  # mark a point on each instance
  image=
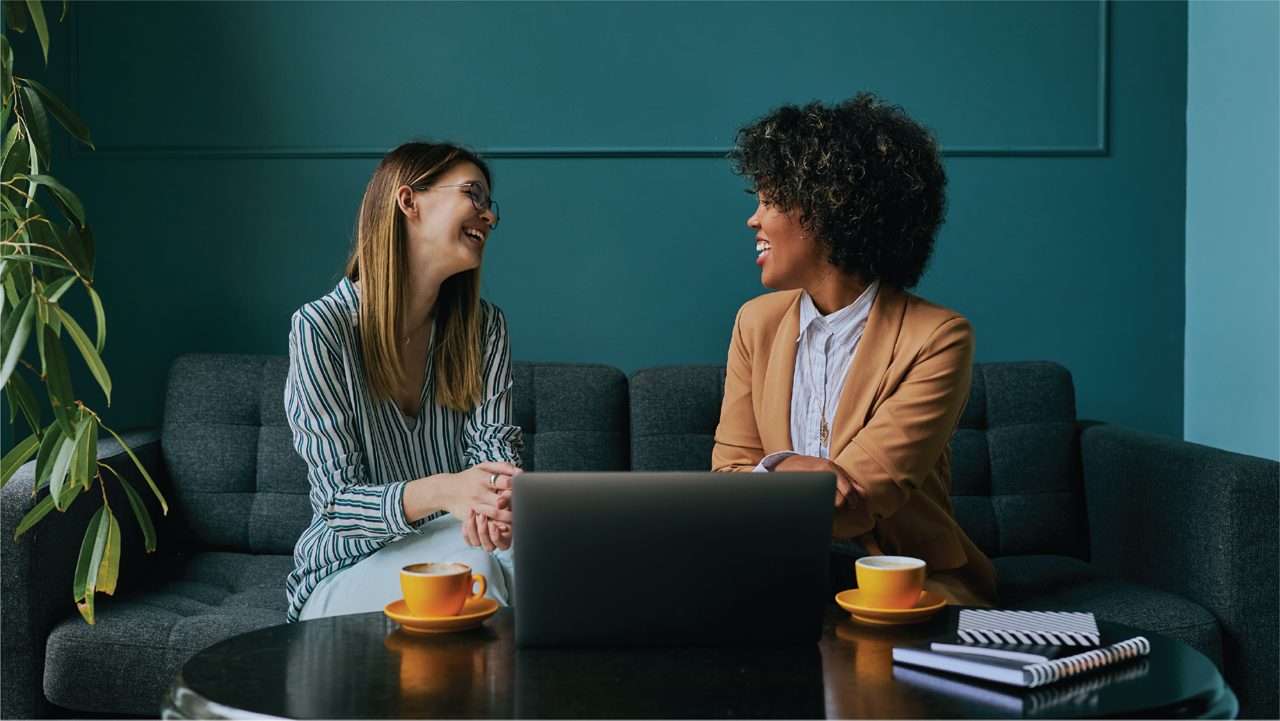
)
(241, 487)
(1016, 484)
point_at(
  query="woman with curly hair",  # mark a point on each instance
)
(842, 369)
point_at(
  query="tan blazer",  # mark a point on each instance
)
(902, 400)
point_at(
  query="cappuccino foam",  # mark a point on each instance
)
(436, 569)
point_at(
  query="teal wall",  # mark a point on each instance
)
(1233, 227)
(235, 140)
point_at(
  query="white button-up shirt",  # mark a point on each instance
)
(824, 351)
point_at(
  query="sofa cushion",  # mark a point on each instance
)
(239, 484)
(573, 416)
(125, 661)
(1016, 462)
(674, 414)
(1060, 583)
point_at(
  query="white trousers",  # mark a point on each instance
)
(375, 581)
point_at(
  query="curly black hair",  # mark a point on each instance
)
(868, 181)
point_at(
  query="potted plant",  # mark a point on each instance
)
(44, 258)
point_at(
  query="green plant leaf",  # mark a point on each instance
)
(42, 28)
(58, 380)
(164, 505)
(55, 290)
(87, 453)
(74, 466)
(11, 290)
(49, 448)
(13, 337)
(21, 398)
(92, 549)
(51, 237)
(109, 569)
(67, 200)
(80, 461)
(40, 260)
(78, 245)
(36, 121)
(139, 511)
(10, 142)
(91, 357)
(62, 467)
(54, 323)
(6, 76)
(33, 516)
(15, 16)
(17, 160)
(10, 212)
(14, 459)
(21, 282)
(84, 560)
(100, 317)
(41, 510)
(33, 165)
(64, 115)
(40, 326)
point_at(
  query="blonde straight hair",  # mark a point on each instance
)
(379, 262)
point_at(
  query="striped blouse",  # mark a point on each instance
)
(360, 454)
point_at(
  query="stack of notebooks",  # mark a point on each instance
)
(1021, 648)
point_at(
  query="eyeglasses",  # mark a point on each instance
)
(479, 197)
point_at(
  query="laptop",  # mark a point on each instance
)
(671, 559)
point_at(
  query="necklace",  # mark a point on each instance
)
(824, 431)
(429, 319)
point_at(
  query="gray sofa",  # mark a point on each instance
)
(1141, 529)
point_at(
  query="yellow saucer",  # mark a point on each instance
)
(472, 614)
(851, 601)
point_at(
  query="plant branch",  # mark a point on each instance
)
(20, 191)
(55, 251)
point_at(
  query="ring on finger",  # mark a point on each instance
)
(493, 481)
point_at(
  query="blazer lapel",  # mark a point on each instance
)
(869, 367)
(775, 423)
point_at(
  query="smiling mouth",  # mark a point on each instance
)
(474, 234)
(762, 248)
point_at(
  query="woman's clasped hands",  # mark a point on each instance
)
(847, 490)
(487, 520)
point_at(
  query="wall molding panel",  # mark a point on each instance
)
(207, 137)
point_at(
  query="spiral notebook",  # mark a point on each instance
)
(1019, 673)
(1052, 628)
(1072, 696)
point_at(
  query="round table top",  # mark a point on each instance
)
(365, 666)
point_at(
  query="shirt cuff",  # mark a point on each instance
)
(771, 461)
(393, 511)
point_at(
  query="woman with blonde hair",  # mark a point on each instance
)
(399, 394)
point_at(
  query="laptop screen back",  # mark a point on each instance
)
(671, 558)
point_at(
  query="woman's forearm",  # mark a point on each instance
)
(424, 496)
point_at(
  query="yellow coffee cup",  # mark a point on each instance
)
(890, 581)
(439, 589)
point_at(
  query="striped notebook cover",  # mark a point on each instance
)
(1053, 628)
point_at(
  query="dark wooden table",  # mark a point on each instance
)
(363, 666)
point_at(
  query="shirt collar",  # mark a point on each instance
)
(847, 319)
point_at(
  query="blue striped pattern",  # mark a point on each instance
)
(360, 454)
(826, 346)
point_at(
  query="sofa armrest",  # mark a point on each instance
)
(1199, 522)
(36, 570)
